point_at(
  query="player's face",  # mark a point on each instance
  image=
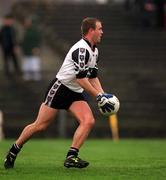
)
(98, 32)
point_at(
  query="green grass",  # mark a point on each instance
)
(123, 160)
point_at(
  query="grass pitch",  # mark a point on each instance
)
(123, 160)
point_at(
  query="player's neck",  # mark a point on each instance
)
(90, 42)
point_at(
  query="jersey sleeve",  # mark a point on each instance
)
(94, 72)
(81, 57)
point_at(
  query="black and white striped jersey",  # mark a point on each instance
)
(80, 62)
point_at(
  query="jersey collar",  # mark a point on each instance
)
(92, 47)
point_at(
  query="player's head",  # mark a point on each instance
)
(92, 28)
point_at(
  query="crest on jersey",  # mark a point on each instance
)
(82, 50)
(81, 65)
(81, 57)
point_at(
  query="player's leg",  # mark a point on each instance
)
(83, 114)
(45, 116)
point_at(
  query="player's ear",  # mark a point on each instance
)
(91, 30)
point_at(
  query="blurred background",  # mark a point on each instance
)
(132, 62)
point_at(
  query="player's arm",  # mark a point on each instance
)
(80, 58)
(94, 90)
(95, 82)
(102, 98)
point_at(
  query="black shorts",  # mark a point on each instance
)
(58, 96)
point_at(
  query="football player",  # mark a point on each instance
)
(77, 73)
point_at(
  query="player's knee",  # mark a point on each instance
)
(89, 122)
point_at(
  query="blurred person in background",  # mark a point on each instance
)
(78, 72)
(152, 12)
(148, 11)
(160, 13)
(31, 63)
(9, 45)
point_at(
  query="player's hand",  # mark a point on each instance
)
(104, 103)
